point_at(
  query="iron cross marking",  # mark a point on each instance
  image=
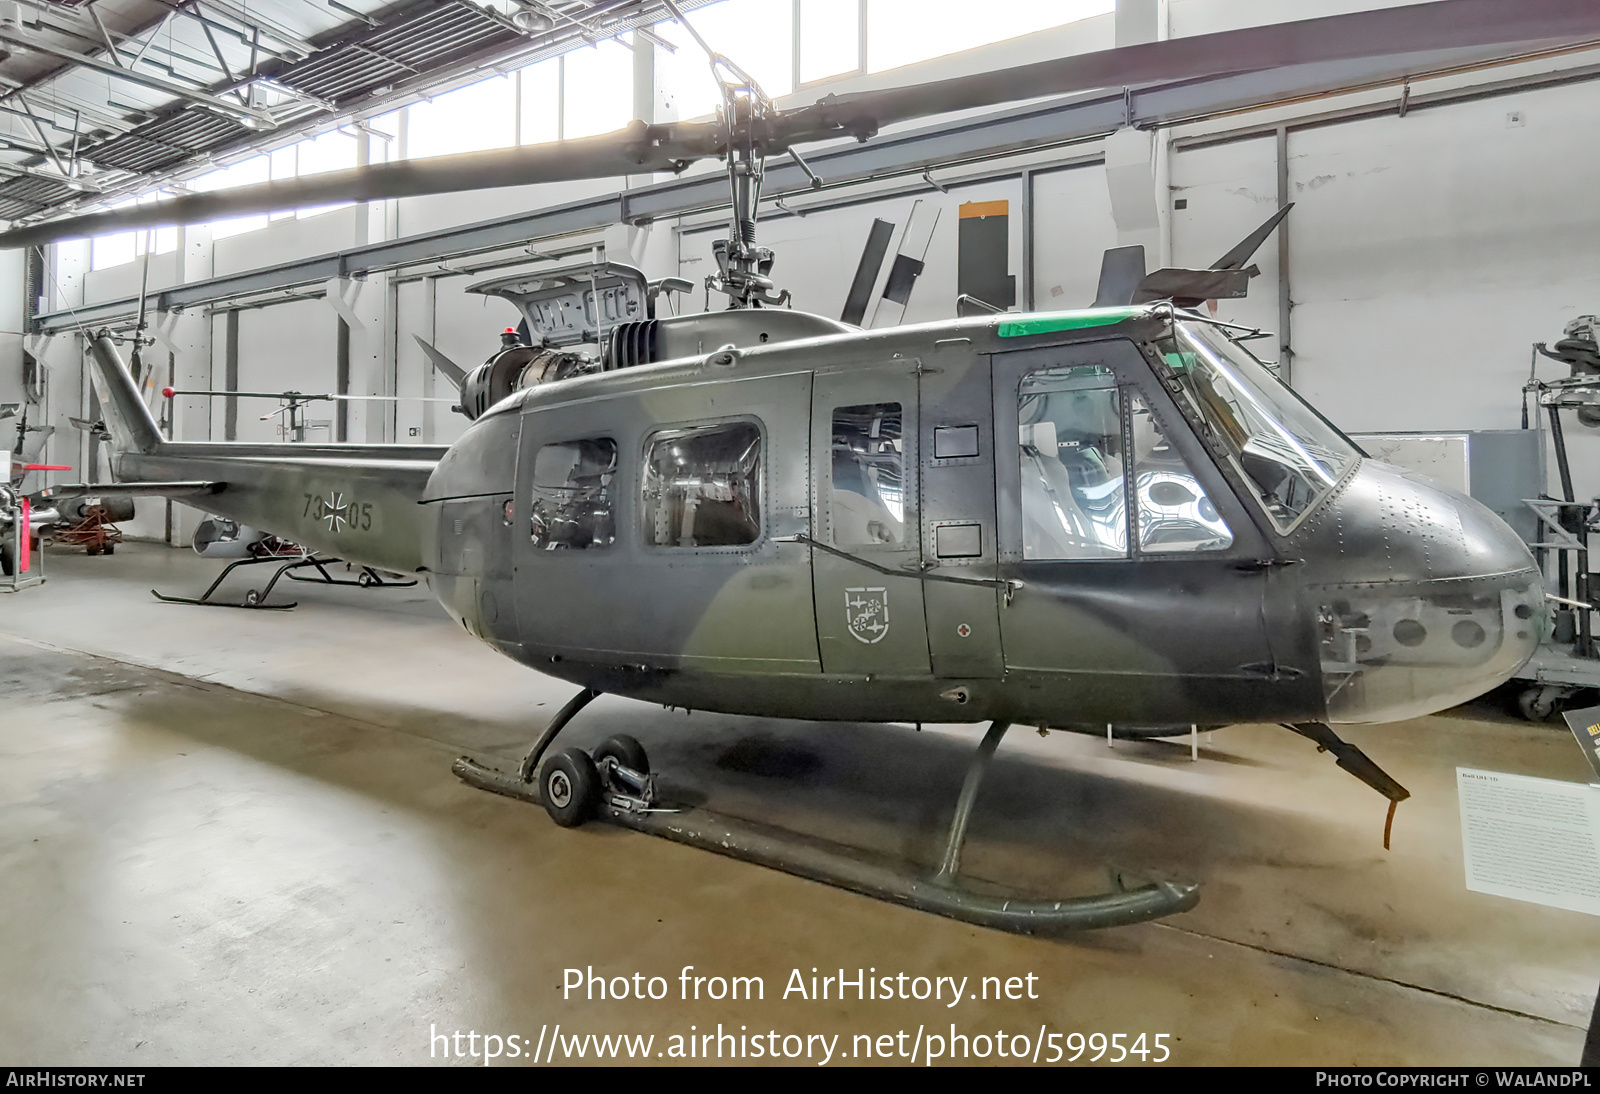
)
(336, 511)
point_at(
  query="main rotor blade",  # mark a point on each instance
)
(638, 149)
(1417, 28)
(1441, 26)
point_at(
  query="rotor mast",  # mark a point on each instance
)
(746, 115)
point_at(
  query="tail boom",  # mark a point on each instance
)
(350, 501)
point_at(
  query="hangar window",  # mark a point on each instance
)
(758, 39)
(903, 32)
(597, 90)
(1072, 456)
(539, 117)
(473, 118)
(867, 504)
(572, 495)
(830, 39)
(702, 486)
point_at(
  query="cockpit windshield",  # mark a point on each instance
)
(1283, 448)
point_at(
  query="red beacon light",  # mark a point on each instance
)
(168, 392)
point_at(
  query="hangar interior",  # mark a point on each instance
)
(234, 837)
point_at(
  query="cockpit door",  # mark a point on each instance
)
(1143, 585)
(866, 571)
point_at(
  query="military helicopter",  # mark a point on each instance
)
(1115, 516)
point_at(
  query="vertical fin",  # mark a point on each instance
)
(127, 417)
(1121, 270)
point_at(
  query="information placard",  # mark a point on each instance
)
(1531, 839)
(1585, 725)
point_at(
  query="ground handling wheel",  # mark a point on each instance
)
(1537, 704)
(569, 786)
(626, 750)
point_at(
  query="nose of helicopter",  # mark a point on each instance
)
(1422, 597)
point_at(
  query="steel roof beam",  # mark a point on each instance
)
(251, 117)
(257, 20)
(243, 37)
(39, 131)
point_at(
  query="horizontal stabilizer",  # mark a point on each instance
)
(130, 490)
(1190, 288)
(447, 368)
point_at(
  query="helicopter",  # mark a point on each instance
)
(1081, 519)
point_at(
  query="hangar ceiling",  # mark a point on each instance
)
(102, 100)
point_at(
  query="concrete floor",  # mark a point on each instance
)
(234, 838)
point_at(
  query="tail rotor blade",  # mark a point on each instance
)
(447, 368)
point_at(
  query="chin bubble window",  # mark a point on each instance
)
(702, 486)
(572, 495)
(1173, 511)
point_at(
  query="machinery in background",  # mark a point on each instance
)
(294, 422)
(216, 537)
(21, 561)
(90, 523)
(1568, 661)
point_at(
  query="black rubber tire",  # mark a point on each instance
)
(1532, 706)
(8, 559)
(91, 550)
(626, 750)
(569, 786)
(109, 549)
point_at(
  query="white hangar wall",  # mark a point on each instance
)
(1426, 253)
(1431, 251)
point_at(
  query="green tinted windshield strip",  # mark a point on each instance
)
(1077, 320)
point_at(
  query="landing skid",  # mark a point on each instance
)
(368, 578)
(621, 801)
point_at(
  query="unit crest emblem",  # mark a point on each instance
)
(867, 613)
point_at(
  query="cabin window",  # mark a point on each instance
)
(1072, 455)
(867, 502)
(1173, 510)
(702, 486)
(572, 495)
